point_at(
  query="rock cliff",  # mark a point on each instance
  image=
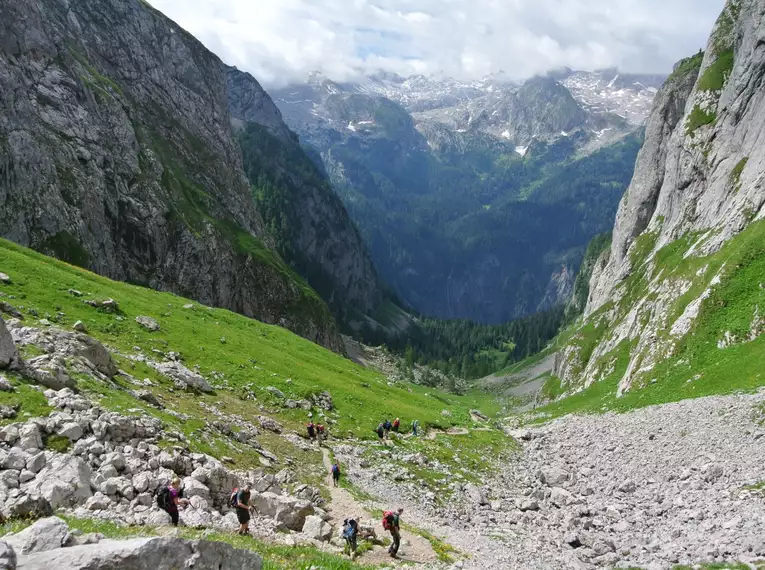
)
(117, 154)
(678, 287)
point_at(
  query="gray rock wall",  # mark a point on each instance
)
(117, 154)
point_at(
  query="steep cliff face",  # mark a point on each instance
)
(117, 154)
(313, 230)
(676, 302)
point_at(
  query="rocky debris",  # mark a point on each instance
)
(148, 323)
(106, 306)
(9, 356)
(183, 377)
(270, 424)
(5, 385)
(10, 310)
(322, 400)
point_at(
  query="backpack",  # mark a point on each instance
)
(163, 498)
(350, 530)
(388, 518)
(233, 500)
(335, 469)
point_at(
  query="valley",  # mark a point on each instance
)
(214, 292)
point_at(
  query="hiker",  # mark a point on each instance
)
(350, 534)
(240, 500)
(415, 425)
(335, 472)
(311, 428)
(396, 424)
(320, 433)
(387, 425)
(391, 523)
(380, 430)
(170, 499)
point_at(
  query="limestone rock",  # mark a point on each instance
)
(9, 356)
(183, 376)
(64, 481)
(148, 323)
(315, 528)
(45, 534)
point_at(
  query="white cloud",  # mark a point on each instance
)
(282, 40)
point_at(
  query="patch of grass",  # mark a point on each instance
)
(552, 389)
(31, 402)
(444, 551)
(699, 118)
(715, 76)
(687, 66)
(58, 443)
(735, 174)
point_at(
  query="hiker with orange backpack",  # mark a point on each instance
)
(396, 424)
(391, 522)
(320, 433)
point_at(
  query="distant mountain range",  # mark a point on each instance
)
(473, 197)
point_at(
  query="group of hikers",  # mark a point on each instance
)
(316, 432)
(391, 522)
(170, 499)
(385, 427)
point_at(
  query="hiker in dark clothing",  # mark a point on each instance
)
(388, 426)
(391, 523)
(415, 425)
(311, 428)
(243, 509)
(351, 534)
(170, 499)
(380, 431)
(335, 472)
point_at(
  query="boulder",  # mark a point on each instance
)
(28, 507)
(98, 502)
(476, 495)
(141, 553)
(144, 481)
(71, 430)
(9, 356)
(45, 534)
(79, 326)
(148, 323)
(193, 488)
(183, 377)
(4, 279)
(315, 528)
(5, 385)
(14, 459)
(289, 511)
(560, 497)
(158, 518)
(553, 476)
(7, 556)
(270, 424)
(529, 505)
(30, 437)
(64, 481)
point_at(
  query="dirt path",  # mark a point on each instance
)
(433, 433)
(414, 548)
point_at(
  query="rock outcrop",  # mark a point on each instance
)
(680, 231)
(117, 154)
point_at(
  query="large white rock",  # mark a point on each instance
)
(30, 437)
(193, 488)
(287, 510)
(142, 553)
(9, 356)
(14, 459)
(45, 534)
(182, 375)
(7, 556)
(64, 481)
(553, 476)
(315, 528)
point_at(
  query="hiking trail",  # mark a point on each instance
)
(342, 505)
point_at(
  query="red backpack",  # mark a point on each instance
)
(388, 518)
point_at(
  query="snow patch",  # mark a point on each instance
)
(522, 150)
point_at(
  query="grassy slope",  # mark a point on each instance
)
(249, 354)
(241, 357)
(697, 367)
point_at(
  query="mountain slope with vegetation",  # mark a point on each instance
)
(117, 153)
(675, 303)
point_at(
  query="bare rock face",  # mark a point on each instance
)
(117, 154)
(9, 356)
(142, 553)
(698, 179)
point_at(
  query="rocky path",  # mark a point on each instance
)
(343, 505)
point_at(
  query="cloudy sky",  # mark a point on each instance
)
(280, 41)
